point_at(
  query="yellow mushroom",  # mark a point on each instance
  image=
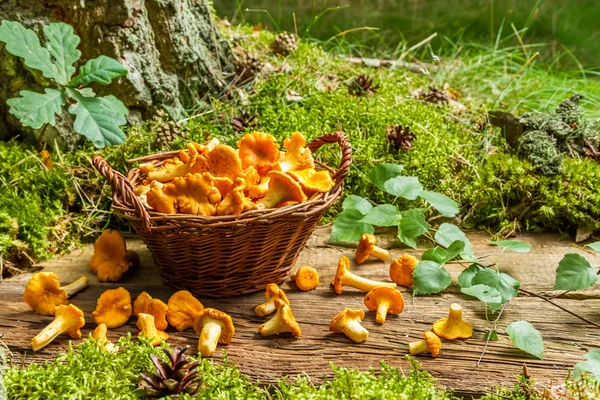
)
(148, 330)
(155, 307)
(453, 327)
(402, 268)
(386, 301)
(431, 344)
(184, 308)
(100, 335)
(283, 321)
(282, 188)
(348, 323)
(366, 248)
(67, 319)
(213, 327)
(344, 277)
(272, 293)
(306, 278)
(43, 292)
(113, 308)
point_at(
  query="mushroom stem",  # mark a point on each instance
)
(382, 309)
(266, 308)
(380, 253)
(76, 286)
(364, 284)
(355, 331)
(209, 338)
(48, 334)
(418, 347)
(273, 326)
(455, 314)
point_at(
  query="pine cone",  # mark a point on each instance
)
(244, 120)
(362, 85)
(434, 96)
(400, 138)
(285, 43)
(248, 65)
(172, 378)
(167, 132)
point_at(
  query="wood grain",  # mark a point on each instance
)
(268, 359)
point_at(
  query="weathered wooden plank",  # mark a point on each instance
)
(268, 359)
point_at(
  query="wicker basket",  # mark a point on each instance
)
(224, 256)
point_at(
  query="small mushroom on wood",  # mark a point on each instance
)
(111, 258)
(401, 270)
(113, 308)
(366, 248)
(272, 293)
(100, 335)
(306, 278)
(385, 301)
(283, 321)
(431, 344)
(155, 307)
(213, 327)
(67, 319)
(348, 323)
(43, 292)
(184, 308)
(453, 327)
(148, 330)
(344, 277)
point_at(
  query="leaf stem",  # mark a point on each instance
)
(487, 342)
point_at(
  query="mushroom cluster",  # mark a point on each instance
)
(215, 179)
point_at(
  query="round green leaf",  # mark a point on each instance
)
(574, 273)
(448, 233)
(503, 283)
(591, 365)
(357, 203)
(430, 277)
(348, 228)
(513, 245)
(488, 295)
(525, 337)
(466, 277)
(594, 246)
(383, 215)
(407, 187)
(381, 173)
(411, 226)
(444, 204)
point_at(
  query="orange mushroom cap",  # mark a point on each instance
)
(453, 327)
(149, 331)
(176, 168)
(297, 157)
(282, 188)
(224, 161)
(234, 202)
(272, 293)
(259, 190)
(385, 301)
(348, 323)
(431, 343)
(43, 292)
(306, 278)
(113, 308)
(366, 248)
(282, 322)
(145, 304)
(259, 150)
(195, 194)
(109, 261)
(312, 180)
(401, 270)
(183, 310)
(223, 184)
(251, 176)
(213, 326)
(67, 319)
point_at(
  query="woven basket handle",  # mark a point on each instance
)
(123, 188)
(341, 139)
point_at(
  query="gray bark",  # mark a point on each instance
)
(172, 49)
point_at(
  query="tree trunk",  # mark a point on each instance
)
(172, 48)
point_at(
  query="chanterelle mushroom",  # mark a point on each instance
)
(100, 335)
(385, 301)
(259, 190)
(43, 292)
(111, 258)
(191, 163)
(283, 321)
(431, 343)
(157, 308)
(113, 308)
(282, 188)
(258, 150)
(453, 327)
(224, 161)
(235, 202)
(213, 326)
(344, 277)
(366, 248)
(312, 180)
(183, 310)
(306, 278)
(67, 319)
(402, 268)
(148, 330)
(297, 156)
(194, 194)
(272, 293)
(348, 323)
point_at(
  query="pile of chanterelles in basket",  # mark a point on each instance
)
(216, 179)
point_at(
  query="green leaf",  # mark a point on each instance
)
(411, 226)
(100, 70)
(488, 295)
(430, 277)
(448, 234)
(381, 173)
(358, 203)
(591, 365)
(62, 44)
(348, 228)
(24, 43)
(407, 187)
(36, 109)
(491, 335)
(503, 283)
(383, 215)
(444, 204)
(525, 337)
(574, 273)
(594, 246)
(513, 245)
(465, 279)
(98, 119)
(454, 250)
(436, 254)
